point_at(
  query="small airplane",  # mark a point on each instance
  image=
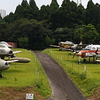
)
(3, 42)
(5, 51)
(78, 47)
(69, 46)
(65, 45)
(4, 65)
(89, 51)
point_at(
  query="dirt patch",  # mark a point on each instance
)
(9, 93)
(96, 95)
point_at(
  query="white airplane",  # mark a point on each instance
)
(3, 42)
(5, 51)
(90, 51)
(4, 65)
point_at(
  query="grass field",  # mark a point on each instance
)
(26, 74)
(32, 75)
(86, 76)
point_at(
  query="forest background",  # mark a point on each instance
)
(34, 28)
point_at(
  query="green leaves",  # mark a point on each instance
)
(86, 33)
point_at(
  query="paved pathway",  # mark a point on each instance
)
(61, 85)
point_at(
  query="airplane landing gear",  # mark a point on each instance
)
(84, 60)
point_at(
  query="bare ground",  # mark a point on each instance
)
(9, 93)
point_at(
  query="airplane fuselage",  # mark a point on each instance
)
(90, 51)
(3, 65)
(5, 51)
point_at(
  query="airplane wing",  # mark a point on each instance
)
(56, 46)
(16, 52)
(12, 61)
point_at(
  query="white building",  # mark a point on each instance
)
(2, 13)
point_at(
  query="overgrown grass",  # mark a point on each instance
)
(86, 76)
(26, 74)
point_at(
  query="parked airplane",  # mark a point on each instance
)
(65, 45)
(5, 51)
(90, 51)
(3, 42)
(69, 46)
(78, 47)
(4, 65)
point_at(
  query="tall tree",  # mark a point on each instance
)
(18, 12)
(80, 15)
(44, 13)
(96, 19)
(65, 14)
(24, 3)
(23, 10)
(86, 33)
(34, 9)
(54, 6)
(63, 34)
(33, 30)
(10, 18)
(89, 18)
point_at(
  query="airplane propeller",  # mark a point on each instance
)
(96, 51)
(75, 53)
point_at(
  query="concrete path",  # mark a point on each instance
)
(62, 87)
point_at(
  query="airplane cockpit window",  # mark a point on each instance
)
(93, 48)
(88, 48)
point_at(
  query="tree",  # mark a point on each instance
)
(49, 41)
(96, 19)
(80, 15)
(34, 9)
(9, 18)
(54, 6)
(64, 13)
(2, 28)
(86, 33)
(32, 29)
(89, 18)
(23, 42)
(23, 11)
(63, 34)
(44, 13)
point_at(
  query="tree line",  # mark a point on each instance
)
(34, 28)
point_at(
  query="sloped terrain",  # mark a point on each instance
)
(62, 87)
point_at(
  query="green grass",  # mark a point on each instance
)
(26, 74)
(86, 80)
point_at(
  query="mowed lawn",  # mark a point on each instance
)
(86, 75)
(20, 75)
(25, 74)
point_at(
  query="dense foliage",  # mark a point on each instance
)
(57, 23)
